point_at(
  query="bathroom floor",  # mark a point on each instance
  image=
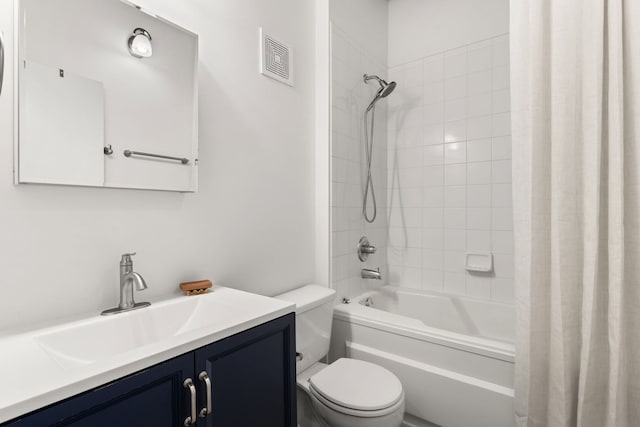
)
(411, 421)
(306, 417)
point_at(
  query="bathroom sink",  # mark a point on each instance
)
(92, 340)
(88, 341)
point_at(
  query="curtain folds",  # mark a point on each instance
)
(575, 78)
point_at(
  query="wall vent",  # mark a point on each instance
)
(276, 59)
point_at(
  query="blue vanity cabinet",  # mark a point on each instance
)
(152, 397)
(252, 377)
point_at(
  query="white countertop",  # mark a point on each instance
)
(44, 366)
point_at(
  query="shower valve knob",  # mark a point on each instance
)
(365, 249)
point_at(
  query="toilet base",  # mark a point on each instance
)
(307, 416)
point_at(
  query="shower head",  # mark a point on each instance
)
(384, 90)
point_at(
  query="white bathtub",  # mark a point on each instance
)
(454, 355)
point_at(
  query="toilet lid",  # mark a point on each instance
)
(357, 384)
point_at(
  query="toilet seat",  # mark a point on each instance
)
(355, 412)
(357, 388)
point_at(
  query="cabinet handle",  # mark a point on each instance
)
(188, 383)
(204, 377)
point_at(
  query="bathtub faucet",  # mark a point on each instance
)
(367, 273)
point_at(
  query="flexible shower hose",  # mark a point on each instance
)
(368, 142)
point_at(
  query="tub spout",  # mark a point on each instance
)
(367, 273)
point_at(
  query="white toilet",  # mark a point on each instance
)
(348, 392)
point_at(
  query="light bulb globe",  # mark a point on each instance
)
(139, 44)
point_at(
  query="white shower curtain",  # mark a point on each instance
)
(575, 67)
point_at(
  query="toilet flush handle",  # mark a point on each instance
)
(299, 357)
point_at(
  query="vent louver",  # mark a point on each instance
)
(276, 59)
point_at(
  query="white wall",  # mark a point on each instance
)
(323, 142)
(419, 28)
(251, 224)
(365, 22)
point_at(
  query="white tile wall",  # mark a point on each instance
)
(350, 97)
(449, 170)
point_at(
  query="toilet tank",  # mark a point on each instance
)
(314, 313)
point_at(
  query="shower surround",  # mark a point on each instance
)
(351, 58)
(442, 148)
(449, 171)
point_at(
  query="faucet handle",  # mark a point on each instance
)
(126, 258)
(364, 249)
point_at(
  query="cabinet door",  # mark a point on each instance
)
(253, 377)
(154, 397)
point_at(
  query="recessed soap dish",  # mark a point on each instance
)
(479, 262)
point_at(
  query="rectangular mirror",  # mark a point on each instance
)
(107, 97)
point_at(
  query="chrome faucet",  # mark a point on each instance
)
(127, 279)
(367, 273)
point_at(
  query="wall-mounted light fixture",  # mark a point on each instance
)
(140, 43)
